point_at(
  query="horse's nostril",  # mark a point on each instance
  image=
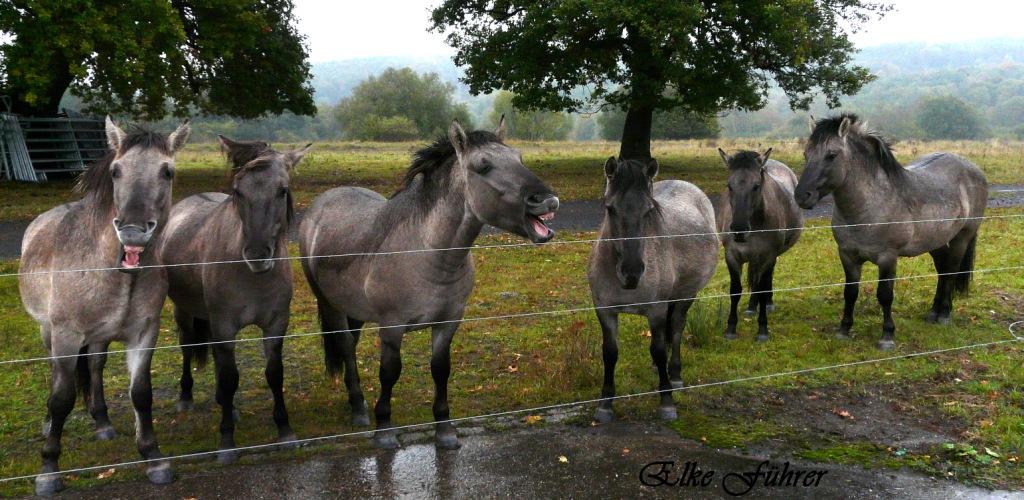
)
(150, 226)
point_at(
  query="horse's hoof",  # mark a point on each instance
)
(236, 415)
(762, 337)
(106, 433)
(667, 413)
(932, 317)
(730, 335)
(228, 457)
(886, 345)
(386, 440)
(48, 484)
(160, 474)
(604, 415)
(360, 416)
(841, 335)
(185, 405)
(943, 320)
(676, 384)
(447, 440)
(749, 312)
(770, 308)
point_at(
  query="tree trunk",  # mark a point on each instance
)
(636, 133)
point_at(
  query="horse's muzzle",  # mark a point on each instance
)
(807, 199)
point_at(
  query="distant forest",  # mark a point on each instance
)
(967, 90)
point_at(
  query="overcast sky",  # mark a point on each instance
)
(345, 29)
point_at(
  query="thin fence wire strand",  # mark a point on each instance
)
(526, 410)
(511, 316)
(506, 245)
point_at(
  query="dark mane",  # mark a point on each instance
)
(869, 143)
(745, 160)
(630, 177)
(434, 160)
(95, 182)
(242, 152)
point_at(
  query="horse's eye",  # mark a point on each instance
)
(237, 193)
(757, 186)
(282, 193)
(830, 156)
(484, 168)
(167, 171)
(610, 209)
(115, 172)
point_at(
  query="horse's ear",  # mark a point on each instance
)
(651, 169)
(458, 138)
(609, 167)
(763, 158)
(725, 156)
(179, 137)
(502, 129)
(115, 136)
(293, 157)
(225, 143)
(844, 127)
(810, 123)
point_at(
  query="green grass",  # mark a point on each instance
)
(567, 166)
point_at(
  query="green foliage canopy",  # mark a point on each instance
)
(530, 125)
(645, 55)
(948, 117)
(400, 104)
(241, 58)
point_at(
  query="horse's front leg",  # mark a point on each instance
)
(852, 268)
(227, 385)
(97, 402)
(273, 342)
(763, 298)
(609, 321)
(58, 406)
(390, 370)
(735, 291)
(440, 368)
(677, 324)
(886, 284)
(657, 318)
(139, 357)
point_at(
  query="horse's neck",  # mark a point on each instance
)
(867, 196)
(447, 224)
(104, 244)
(226, 226)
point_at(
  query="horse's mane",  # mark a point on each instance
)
(629, 177)
(868, 142)
(434, 160)
(95, 182)
(745, 160)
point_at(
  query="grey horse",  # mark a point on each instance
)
(127, 196)
(870, 186)
(759, 200)
(657, 250)
(454, 187)
(214, 302)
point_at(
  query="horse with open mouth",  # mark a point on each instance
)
(657, 250)
(214, 302)
(127, 196)
(453, 187)
(874, 195)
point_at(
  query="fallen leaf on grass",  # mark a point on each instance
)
(105, 474)
(842, 413)
(625, 451)
(533, 419)
(563, 459)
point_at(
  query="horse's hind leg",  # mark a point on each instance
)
(390, 370)
(886, 283)
(764, 289)
(944, 264)
(852, 269)
(58, 406)
(735, 290)
(95, 399)
(770, 287)
(273, 341)
(677, 323)
(660, 336)
(440, 369)
(609, 321)
(340, 337)
(356, 401)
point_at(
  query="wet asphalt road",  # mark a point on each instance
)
(581, 215)
(603, 461)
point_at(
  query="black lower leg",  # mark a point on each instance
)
(735, 290)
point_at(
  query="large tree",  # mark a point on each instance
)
(146, 58)
(400, 104)
(646, 55)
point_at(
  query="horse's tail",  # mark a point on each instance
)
(333, 351)
(200, 334)
(82, 380)
(962, 281)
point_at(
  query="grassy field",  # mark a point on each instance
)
(569, 167)
(966, 404)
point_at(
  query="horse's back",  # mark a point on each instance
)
(688, 212)
(782, 174)
(339, 221)
(937, 177)
(189, 215)
(685, 205)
